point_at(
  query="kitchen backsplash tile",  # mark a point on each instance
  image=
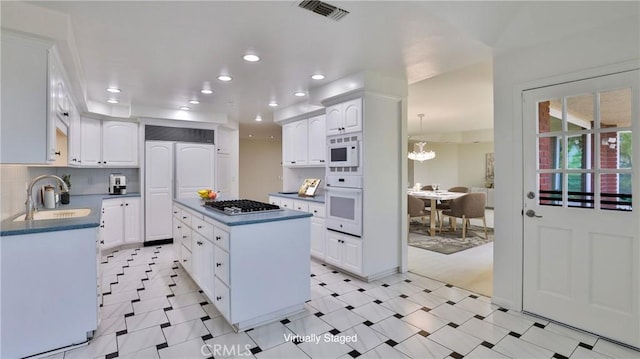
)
(12, 189)
(13, 181)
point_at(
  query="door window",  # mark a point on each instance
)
(584, 151)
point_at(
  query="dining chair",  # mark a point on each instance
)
(470, 205)
(415, 208)
(444, 204)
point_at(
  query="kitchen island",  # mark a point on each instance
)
(253, 267)
(48, 280)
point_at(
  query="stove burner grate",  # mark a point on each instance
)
(240, 206)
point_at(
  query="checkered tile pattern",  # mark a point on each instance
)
(152, 309)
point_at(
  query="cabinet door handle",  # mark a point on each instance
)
(121, 204)
(126, 204)
(184, 236)
(101, 242)
(218, 298)
(105, 162)
(218, 238)
(183, 217)
(179, 227)
(175, 212)
(184, 260)
(65, 114)
(199, 227)
(199, 243)
(218, 264)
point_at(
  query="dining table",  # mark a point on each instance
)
(434, 196)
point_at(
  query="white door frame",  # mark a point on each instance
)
(516, 263)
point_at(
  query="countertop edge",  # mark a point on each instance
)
(294, 196)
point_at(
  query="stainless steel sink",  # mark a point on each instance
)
(57, 214)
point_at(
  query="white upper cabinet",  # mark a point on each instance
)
(90, 142)
(108, 143)
(223, 142)
(344, 117)
(317, 141)
(303, 142)
(119, 143)
(27, 131)
(74, 137)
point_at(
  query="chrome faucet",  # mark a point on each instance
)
(30, 207)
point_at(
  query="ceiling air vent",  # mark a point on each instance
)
(322, 8)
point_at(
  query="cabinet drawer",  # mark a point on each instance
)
(274, 200)
(286, 203)
(185, 258)
(301, 206)
(221, 300)
(222, 266)
(317, 210)
(221, 238)
(186, 237)
(177, 212)
(202, 227)
(185, 217)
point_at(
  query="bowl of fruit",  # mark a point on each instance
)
(207, 194)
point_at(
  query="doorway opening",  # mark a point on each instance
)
(444, 255)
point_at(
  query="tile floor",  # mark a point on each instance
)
(152, 309)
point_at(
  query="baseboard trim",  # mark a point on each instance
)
(158, 242)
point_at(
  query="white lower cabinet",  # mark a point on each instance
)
(221, 299)
(121, 221)
(202, 262)
(344, 251)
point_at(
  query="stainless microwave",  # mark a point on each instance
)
(344, 153)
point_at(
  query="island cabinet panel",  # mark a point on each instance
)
(269, 269)
(254, 272)
(48, 291)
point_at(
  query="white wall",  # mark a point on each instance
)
(455, 165)
(590, 53)
(260, 168)
(472, 163)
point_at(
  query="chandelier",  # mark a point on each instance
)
(421, 155)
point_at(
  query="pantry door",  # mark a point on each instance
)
(581, 215)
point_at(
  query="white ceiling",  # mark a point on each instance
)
(161, 53)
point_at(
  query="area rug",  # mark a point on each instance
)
(447, 242)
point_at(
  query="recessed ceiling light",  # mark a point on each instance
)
(258, 118)
(250, 135)
(225, 78)
(114, 90)
(273, 104)
(300, 94)
(112, 100)
(272, 137)
(251, 58)
(185, 108)
(194, 102)
(207, 91)
(318, 77)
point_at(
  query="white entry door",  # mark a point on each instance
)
(581, 214)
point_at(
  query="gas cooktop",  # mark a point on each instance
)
(240, 206)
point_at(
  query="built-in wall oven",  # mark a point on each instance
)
(343, 197)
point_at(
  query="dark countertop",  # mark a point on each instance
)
(196, 205)
(91, 201)
(317, 199)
